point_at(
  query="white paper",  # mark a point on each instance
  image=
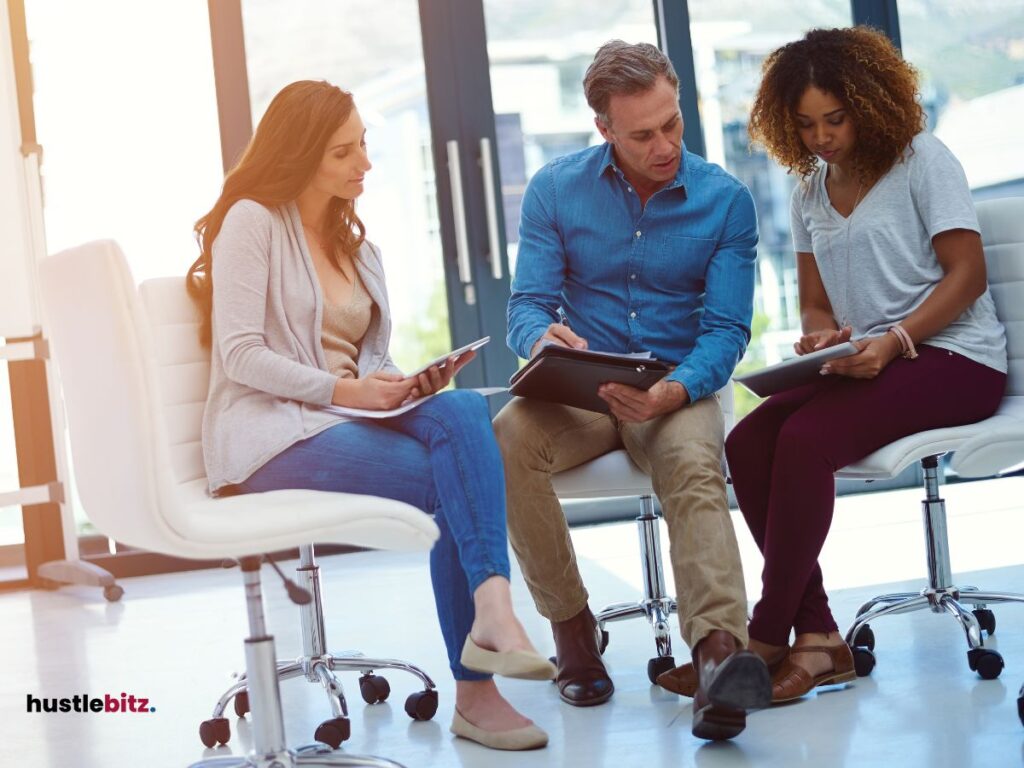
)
(362, 413)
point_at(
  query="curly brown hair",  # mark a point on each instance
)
(861, 68)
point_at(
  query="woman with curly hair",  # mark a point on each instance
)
(889, 254)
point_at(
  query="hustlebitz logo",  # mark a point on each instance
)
(125, 704)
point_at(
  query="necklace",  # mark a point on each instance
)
(312, 233)
(848, 222)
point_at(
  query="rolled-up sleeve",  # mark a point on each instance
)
(728, 304)
(540, 267)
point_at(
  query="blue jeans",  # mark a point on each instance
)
(440, 457)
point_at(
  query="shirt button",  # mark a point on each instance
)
(638, 233)
(629, 189)
(632, 314)
(633, 276)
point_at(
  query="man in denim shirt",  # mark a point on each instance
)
(640, 246)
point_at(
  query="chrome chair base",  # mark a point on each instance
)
(655, 606)
(318, 666)
(262, 674)
(940, 596)
(314, 755)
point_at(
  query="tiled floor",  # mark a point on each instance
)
(174, 639)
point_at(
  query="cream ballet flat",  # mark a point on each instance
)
(528, 737)
(519, 664)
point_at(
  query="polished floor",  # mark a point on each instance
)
(174, 640)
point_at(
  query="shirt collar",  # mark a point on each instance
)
(608, 161)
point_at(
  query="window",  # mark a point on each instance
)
(126, 113)
(971, 59)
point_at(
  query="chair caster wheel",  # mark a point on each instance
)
(863, 660)
(657, 665)
(602, 642)
(214, 732)
(986, 619)
(986, 662)
(241, 703)
(334, 731)
(865, 638)
(113, 592)
(374, 689)
(421, 705)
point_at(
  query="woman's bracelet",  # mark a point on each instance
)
(906, 343)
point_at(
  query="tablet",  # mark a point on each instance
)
(441, 361)
(793, 372)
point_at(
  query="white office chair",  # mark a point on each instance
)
(981, 450)
(614, 475)
(134, 384)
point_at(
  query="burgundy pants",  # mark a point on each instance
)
(783, 455)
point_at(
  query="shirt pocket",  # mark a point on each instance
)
(681, 263)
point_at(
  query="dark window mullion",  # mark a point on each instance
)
(231, 78)
(882, 14)
(672, 18)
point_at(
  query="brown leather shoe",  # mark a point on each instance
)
(582, 679)
(731, 682)
(791, 681)
(683, 679)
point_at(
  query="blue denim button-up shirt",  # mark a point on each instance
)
(674, 277)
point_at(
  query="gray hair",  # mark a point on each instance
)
(623, 68)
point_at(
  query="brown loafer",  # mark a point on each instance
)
(683, 679)
(791, 681)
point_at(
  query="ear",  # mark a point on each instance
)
(604, 130)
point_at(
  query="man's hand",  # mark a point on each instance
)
(561, 335)
(629, 404)
(874, 355)
(435, 378)
(815, 340)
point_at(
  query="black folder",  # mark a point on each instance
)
(572, 376)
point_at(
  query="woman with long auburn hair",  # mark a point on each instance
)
(295, 310)
(888, 254)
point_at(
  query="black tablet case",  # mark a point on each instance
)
(572, 376)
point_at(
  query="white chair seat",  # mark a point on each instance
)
(608, 476)
(210, 527)
(896, 456)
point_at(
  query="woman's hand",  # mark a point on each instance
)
(815, 340)
(375, 392)
(436, 378)
(874, 355)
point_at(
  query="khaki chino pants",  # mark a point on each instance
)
(681, 451)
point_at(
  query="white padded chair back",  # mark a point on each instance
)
(183, 369)
(1002, 232)
(117, 411)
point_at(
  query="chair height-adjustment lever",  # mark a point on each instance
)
(296, 594)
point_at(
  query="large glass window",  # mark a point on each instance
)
(971, 59)
(126, 113)
(731, 39)
(375, 51)
(539, 51)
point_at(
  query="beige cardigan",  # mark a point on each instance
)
(269, 380)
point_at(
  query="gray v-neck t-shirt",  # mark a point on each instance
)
(878, 265)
